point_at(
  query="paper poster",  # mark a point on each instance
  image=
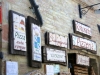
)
(49, 70)
(56, 68)
(11, 68)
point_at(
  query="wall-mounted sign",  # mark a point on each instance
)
(34, 42)
(11, 68)
(82, 43)
(54, 55)
(17, 33)
(81, 28)
(56, 40)
(82, 60)
(0, 13)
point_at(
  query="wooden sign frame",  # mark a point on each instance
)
(57, 40)
(86, 28)
(44, 55)
(80, 48)
(15, 46)
(31, 60)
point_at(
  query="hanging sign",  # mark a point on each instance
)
(36, 42)
(82, 28)
(56, 40)
(82, 60)
(54, 55)
(17, 33)
(82, 43)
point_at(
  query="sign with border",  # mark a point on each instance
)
(34, 42)
(82, 29)
(77, 42)
(82, 60)
(17, 33)
(55, 40)
(54, 55)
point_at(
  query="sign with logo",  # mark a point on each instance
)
(56, 40)
(82, 43)
(82, 28)
(82, 60)
(36, 42)
(54, 55)
(17, 33)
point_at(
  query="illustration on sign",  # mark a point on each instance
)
(36, 42)
(19, 32)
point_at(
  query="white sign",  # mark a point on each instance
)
(82, 60)
(36, 42)
(83, 28)
(49, 70)
(19, 32)
(56, 55)
(83, 43)
(57, 40)
(11, 68)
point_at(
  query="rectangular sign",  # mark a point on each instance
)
(11, 68)
(56, 40)
(54, 55)
(82, 60)
(19, 32)
(82, 28)
(82, 43)
(0, 12)
(36, 42)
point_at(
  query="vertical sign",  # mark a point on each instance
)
(11, 68)
(17, 32)
(0, 13)
(36, 42)
(33, 42)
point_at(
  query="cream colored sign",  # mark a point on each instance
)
(82, 60)
(55, 55)
(83, 43)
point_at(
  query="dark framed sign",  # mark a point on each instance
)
(82, 29)
(77, 42)
(79, 59)
(53, 55)
(55, 40)
(17, 33)
(34, 42)
(82, 60)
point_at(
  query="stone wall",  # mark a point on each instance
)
(57, 17)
